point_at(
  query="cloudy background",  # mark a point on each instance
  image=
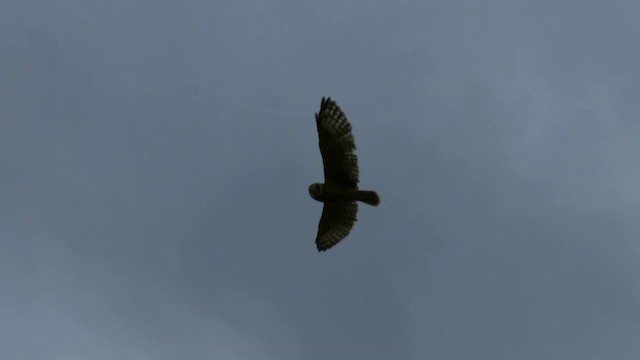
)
(155, 158)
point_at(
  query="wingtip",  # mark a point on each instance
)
(325, 101)
(323, 105)
(322, 247)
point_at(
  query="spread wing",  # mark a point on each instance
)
(337, 145)
(336, 222)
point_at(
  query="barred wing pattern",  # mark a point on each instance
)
(335, 224)
(337, 145)
(340, 162)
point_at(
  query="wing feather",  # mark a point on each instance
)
(337, 145)
(336, 222)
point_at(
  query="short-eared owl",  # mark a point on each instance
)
(339, 193)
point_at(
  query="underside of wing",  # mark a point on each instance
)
(336, 222)
(337, 145)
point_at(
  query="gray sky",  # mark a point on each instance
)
(155, 158)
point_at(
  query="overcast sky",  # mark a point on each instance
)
(155, 158)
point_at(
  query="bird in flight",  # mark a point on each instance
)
(339, 192)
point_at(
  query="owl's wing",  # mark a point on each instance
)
(336, 222)
(337, 145)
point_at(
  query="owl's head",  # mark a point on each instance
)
(315, 190)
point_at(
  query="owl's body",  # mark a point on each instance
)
(340, 192)
(324, 193)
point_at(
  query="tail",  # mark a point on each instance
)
(369, 197)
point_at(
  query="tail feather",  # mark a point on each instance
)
(369, 197)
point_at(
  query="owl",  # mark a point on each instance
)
(339, 193)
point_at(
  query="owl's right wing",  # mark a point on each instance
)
(337, 145)
(336, 222)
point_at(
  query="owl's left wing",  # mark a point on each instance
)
(337, 145)
(336, 222)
